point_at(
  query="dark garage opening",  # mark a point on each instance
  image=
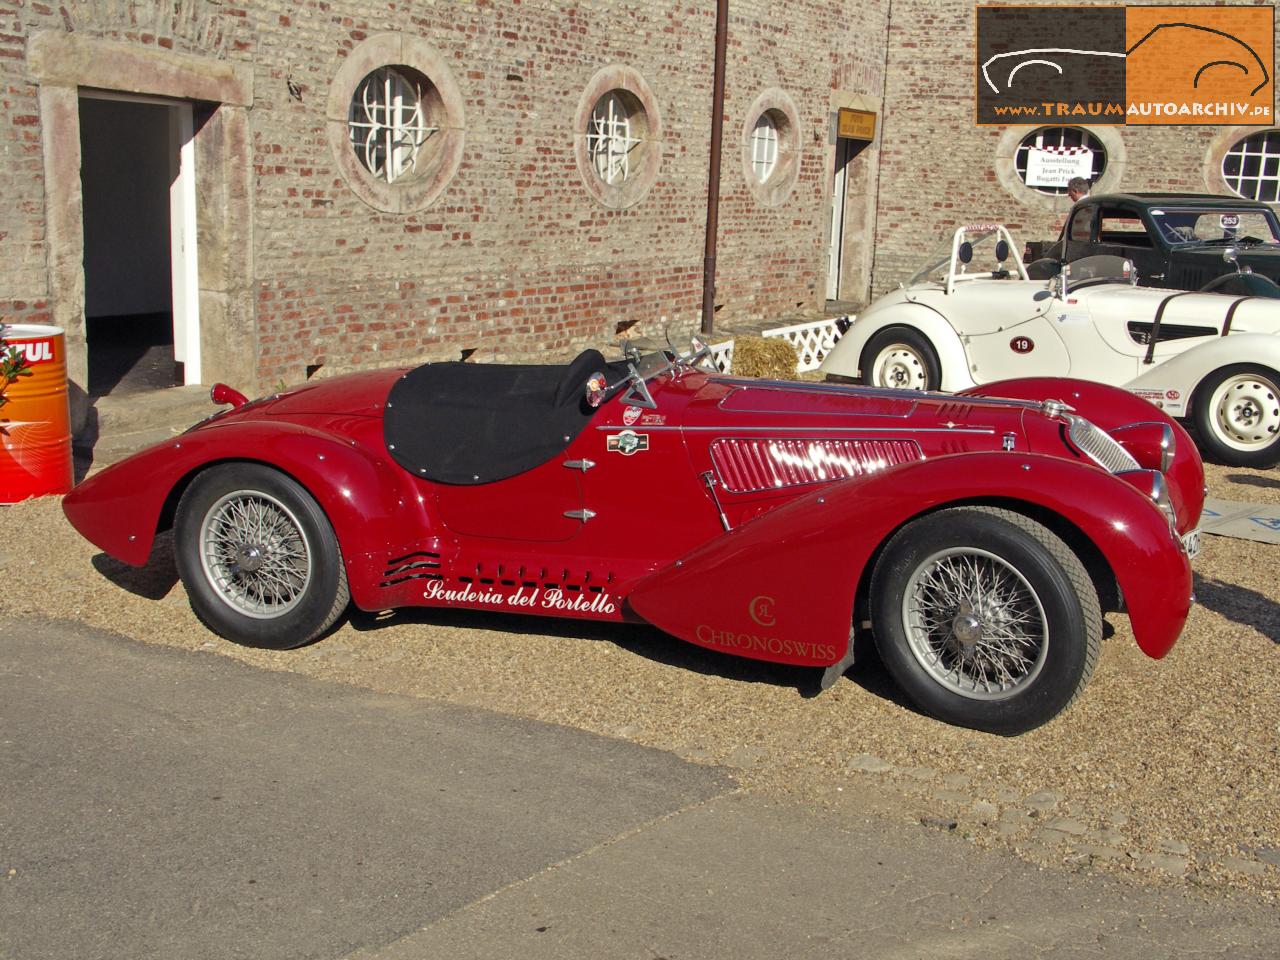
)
(128, 162)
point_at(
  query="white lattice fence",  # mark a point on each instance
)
(722, 356)
(812, 341)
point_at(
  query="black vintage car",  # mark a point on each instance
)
(1183, 241)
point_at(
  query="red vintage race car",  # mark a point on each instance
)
(979, 537)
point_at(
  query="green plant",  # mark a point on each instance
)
(13, 364)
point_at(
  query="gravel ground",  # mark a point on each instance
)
(1164, 770)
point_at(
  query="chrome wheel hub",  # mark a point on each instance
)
(901, 368)
(1247, 413)
(249, 557)
(975, 624)
(967, 629)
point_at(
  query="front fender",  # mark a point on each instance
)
(1110, 407)
(782, 587)
(365, 498)
(845, 358)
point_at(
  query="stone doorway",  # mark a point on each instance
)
(854, 173)
(217, 95)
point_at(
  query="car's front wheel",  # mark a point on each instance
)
(258, 557)
(985, 618)
(902, 359)
(1237, 414)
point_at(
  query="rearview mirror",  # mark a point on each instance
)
(597, 389)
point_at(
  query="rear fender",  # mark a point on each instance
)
(782, 587)
(370, 502)
(1182, 374)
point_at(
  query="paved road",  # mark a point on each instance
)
(157, 803)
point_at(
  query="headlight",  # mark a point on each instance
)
(1151, 444)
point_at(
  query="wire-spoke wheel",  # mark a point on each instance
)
(1237, 413)
(975, 624)
(255, 554)
(986, 618)
(258, 557)
(902, 359)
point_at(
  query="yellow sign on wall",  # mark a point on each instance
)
(856, 124)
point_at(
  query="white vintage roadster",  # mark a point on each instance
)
(972, 315)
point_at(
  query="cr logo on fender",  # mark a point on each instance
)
(761, 610)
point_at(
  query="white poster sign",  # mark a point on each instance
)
(1053, 167)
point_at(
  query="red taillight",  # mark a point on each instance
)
(222, 394)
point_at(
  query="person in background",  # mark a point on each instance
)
(1044, 256)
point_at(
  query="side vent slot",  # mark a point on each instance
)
(752, 466)
(413, 566)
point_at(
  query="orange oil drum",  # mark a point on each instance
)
(35, 425)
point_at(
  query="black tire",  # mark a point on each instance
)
(1237, 415)
(258, 557)
(1016, 626)
(900, 358)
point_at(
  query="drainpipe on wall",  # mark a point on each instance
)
(884, 116)
(713, 177)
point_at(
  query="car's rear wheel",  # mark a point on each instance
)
(985, 618)
(902, 359)
(1237, 414)
(258, 557)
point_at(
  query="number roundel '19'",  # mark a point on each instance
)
(1022, 344)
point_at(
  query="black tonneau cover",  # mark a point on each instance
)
(471, 423)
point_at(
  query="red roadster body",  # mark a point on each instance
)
(979, 536)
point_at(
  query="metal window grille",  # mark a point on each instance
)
(387, 124)
(610, 139)
(1252, 167)
(764, 147)
(1054, 138)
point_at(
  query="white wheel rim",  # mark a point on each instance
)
(1246, 412)
(975, 624)
(900, 367)
(254, 554)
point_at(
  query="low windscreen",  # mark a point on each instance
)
(1184, 225)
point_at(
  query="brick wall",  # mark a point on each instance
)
(514, 257)
(516, 254)
(23, 287)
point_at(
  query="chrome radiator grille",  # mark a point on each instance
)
(1099, 446)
